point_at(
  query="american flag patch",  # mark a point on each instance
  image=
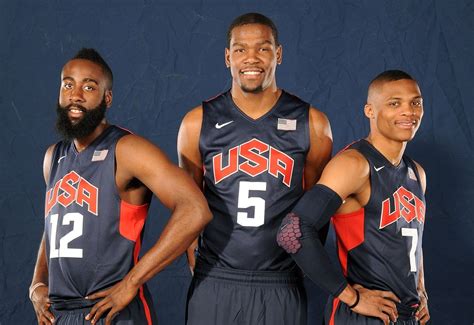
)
(411, 174)
(286, 125)
(99, 155)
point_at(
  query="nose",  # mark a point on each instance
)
(408, 109)
(76, 95)
(251, 56)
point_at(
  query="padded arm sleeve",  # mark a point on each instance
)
(298, 235)
(317, 206)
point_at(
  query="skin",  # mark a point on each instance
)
(253, 49)
(395, 111)
(138, 161)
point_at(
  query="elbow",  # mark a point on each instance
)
(206, 215)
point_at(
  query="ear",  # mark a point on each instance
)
(279, 54)
(108, 97)
(369, 111)
(227, 57)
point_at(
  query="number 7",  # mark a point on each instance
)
(413, 233)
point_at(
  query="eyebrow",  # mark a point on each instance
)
(83, 80)
(399, 98)
(259, 43)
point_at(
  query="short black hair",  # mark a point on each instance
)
(94, 56)
(252, 18)
(392, 75)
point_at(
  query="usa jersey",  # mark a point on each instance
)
(92, 236)
(379, 246)
(253, 175)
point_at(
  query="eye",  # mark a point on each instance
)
(67, 85)
(394, 104)
(239, 50)
(264, 49)
(417, 103)
(89, 88)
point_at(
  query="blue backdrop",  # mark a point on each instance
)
(167, 57)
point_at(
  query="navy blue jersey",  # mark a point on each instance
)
(253, 175)
(379, 246)
(92, 236)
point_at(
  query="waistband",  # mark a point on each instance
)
(76, 303)
(406, 312)
(243, 277)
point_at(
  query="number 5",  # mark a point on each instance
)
(246, 201)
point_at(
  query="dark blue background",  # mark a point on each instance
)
(167, 57)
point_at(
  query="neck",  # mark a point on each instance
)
(255, 105)
(390, 149)
(82, 143)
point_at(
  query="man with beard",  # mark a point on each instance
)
(100, 180)
(375, 195)
(247, 149)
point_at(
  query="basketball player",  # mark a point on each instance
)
(253, 149)
(377, 195)
(100, 180)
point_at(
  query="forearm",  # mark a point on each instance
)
(40, 274)
(185, 224)
(421, 280)
(314, 261)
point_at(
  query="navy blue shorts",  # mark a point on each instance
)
(220, 296)
(73, 312)
(338, 313)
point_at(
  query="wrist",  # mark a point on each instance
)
(34, 287)
(348, 295)
(356, 302)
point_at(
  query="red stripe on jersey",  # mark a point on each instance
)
(141, 294)
(132, 219)
(350, 233)
(335, 304)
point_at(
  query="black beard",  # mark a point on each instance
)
(84, 126)
(256, 90)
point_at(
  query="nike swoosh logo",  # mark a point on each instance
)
(377, 169)
(61, 158)
(220, 126)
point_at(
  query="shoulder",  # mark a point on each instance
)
(347, 173)
(193, 118)
(319, 122)
(133, 142)
(47, 161)
(422, 174)
(352, 159)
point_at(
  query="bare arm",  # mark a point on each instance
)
(190, 159)
(39, 283)
(139, 159)
(347, 177)
(320, 136)
(423, 313)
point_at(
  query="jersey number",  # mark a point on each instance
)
(64, 250)
(413, 233)
(247, 201)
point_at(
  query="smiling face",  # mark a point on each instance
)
(252, 57)
(83, 98)
(395, 109)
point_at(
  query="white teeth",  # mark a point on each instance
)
(251, 72)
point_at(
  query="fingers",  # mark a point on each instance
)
(390, 295)
(422, 315)
(97, 295)
(97, 310)
(110, 316)
(391, 312)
